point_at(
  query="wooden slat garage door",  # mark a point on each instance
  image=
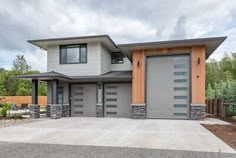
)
(168, 87)
(83, 100)
(117, 99)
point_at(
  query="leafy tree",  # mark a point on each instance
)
(13, 87)
(20, 64)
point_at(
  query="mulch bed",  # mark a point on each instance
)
(227, 133)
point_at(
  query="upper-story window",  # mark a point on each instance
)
(117, 58)
(73, 54)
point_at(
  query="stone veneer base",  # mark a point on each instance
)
(34, 111)
(138, 111)
(55, 111)
(197, 111)
(99, 110)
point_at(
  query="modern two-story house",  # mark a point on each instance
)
(95, 77)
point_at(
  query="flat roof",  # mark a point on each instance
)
(104, 39)
(211, 44)
(109, 76)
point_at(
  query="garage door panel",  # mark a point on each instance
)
(117, 100)
(168, 87)
(183, 93)
(83, 100)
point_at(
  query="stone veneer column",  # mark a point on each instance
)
(34, 111)
(138, 111)
(197, 111)
(55, 111)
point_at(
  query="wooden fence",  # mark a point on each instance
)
(18, 100)
(215, 107)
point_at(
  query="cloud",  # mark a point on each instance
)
(125, 21)
(180, 29)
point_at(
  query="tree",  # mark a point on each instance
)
(20, 64)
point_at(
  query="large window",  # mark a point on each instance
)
(117, 58)
(73, 54)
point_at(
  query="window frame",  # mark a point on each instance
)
(117, 53)
(83, 45)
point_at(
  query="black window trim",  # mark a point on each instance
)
(117, 53)
(82, 45)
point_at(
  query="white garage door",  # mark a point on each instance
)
(168, 87)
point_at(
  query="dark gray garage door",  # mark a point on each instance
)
(117, 99)
(168, 87)
(83, 100)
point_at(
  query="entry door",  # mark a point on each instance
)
(117, 99)
(83, 100)
(168, 87)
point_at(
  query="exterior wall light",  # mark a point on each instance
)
(138, 63)
(198, 60)
(99, 86)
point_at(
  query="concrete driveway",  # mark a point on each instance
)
(118, 132)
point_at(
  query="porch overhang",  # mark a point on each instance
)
(107, 77)
(52, 75)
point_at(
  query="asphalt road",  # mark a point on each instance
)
(26, 150)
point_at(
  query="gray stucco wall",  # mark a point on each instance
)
(92, 67)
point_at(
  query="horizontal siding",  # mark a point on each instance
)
(127, 65)
(105, 60)
(92, 67)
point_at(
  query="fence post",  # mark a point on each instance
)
(211, 106)
(215, 107)
(222, 108)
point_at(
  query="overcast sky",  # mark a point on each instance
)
(123, 20)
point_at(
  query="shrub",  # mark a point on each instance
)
(230, 110)
(234, 117)
(5, 107)
(4, 112)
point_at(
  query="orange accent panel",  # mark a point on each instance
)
(138, 77)
(198, 75)
(198, 84)
(138, 81)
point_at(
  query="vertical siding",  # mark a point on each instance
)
(138, 77)
(105, 60)
(198, 75)
(92, 67)
(126, 66)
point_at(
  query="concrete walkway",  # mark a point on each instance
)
(118, 132)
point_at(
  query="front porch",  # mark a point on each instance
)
(61, 99)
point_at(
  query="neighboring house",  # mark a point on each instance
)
(98, 78)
